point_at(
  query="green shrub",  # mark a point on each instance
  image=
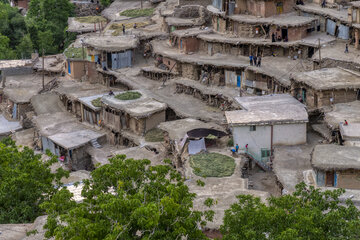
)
(145, 12)
(154, 135)
(96, 102)
(230, 143)
(128, 96)
(212, 165)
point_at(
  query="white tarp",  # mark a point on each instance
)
(330, 27)
(196, 146)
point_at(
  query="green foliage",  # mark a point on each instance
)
(145, 12)
(154, 135)
(96, 102)
(25, 183)
(91, 19)
(230, 143)
(212, 165)
(25, 48)
(46, 21)
(127, 199)
(106, 3)
(5, 51)
(12, 24)
(76, 53)
(308, 213)
(128, 96)
(200, 183)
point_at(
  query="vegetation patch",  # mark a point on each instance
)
(128, 96)
(90, 19)
(212, 165)
(75, 53)
(96, 102)
(154, 135)
(145, 12)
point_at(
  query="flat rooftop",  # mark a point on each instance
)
(355, 4)
(263, 110)
(75, 90)
(350, 131)
(177, 129)
(341, 111)
(282, 20)
(52, 63)
(82, 27)
(65, 130)
(7, 127)
(141, 107)
(335, 157)
(218, 60)
(87, 101)
(21, 88)
(174, 21)
(331, 13)
(112, 43)
(6, 64)
(328, 79)
(191, 32)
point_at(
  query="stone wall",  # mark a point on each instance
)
(87, 9)
(203, 3)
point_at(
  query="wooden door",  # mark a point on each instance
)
(329, 179)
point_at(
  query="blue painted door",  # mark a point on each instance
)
(238, 83)
(69, 68)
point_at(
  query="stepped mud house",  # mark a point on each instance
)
(137, 116)
(266, 121)
(186, 40)
(336, 166)
(326, 86)
(112, 52)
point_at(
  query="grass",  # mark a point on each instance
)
(145, 12)
(96, 102)
(90, 19)
(154, 135)
(212, 165)
(76, 53)
(128, 96)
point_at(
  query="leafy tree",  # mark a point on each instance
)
(106, 3)
(127, 199)
(306, 214)
(5, 51)
(12, 24)
(49, 16)
(25, 48)
(25, 183)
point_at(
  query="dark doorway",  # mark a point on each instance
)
(284, 33)
(311, 52)
(329, 178)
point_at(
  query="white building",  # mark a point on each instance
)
(267, 121)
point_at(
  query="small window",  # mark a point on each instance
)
(252, 128)
(265, 153)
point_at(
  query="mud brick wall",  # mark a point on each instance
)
(348, 179)
(190, 71)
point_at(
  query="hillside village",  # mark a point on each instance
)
(269, 87)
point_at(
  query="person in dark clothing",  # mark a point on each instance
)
(346, 48)
(111, 93)
(123, 29)
(323, 3)
(259, 62)
(135, 26)
(273, 39)
(255, 60)
(251, 59)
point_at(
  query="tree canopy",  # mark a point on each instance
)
(127, 199)
(25, 183)
(308, 213)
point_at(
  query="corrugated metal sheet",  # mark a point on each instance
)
(121, 60)
(330, 27)
(343, 32)
(320, 178)
(14, 112)
(217, 4)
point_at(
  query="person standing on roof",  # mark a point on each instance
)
(258, 62)
(255, 60)
(237, 147)
(346, 48)
(323, 3)
(123, 29)
(251, 59)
